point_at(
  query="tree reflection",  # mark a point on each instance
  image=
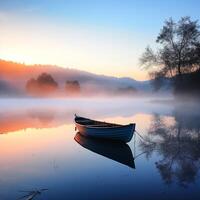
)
(177, 145)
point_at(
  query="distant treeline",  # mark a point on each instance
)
(20, 80)
(45, 84)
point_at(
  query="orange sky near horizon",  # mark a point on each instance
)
(139, 74)
(106, 55)
(100, 50)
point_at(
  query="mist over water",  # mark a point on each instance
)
(38, 149)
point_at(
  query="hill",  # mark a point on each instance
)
(17, 74)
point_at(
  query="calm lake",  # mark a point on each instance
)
(42, 157)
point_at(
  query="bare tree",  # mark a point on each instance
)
(178, 50)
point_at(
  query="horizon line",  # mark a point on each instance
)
(71, 68)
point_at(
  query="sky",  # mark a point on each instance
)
(100, 36)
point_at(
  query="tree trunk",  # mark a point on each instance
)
(179, 64)
(179, 70)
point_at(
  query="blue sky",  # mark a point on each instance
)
(101, 36)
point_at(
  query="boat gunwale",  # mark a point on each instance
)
(114, 127)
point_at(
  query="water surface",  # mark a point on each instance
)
(39, 149)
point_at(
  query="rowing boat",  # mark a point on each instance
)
(98, 129)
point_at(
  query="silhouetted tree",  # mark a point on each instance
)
(43, 85)
(72, 87)
(178, 52)
(46, 79)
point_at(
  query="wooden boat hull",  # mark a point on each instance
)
(121, 133)
(117, 151)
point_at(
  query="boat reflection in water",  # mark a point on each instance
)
(117, 151)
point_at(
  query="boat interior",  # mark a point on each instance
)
(93, 123)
